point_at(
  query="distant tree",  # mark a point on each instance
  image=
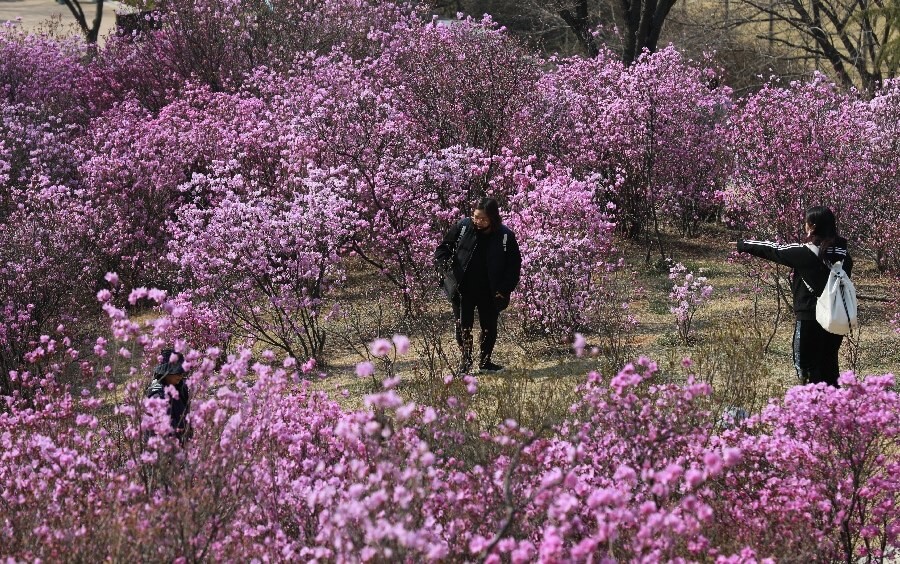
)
(849, 36)
(890, 52)
(592, 22)
(92, 31)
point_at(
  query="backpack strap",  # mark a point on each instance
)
(462, 233)
(814, 250)
(826, 262)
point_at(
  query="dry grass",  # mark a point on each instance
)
(540, 378)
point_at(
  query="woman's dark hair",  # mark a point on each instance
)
(490, 207)
(824, 228)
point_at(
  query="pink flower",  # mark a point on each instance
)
(364, 369)
(693, 478)
(380, 347)
(137, 294)
(401, 343)
(579, 344)
(732, 456)
(713, 462)
(157, 295)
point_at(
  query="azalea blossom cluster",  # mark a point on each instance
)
(688, 294)
(639, 470)
(137, 158)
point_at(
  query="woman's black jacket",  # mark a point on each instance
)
(178, 408)
(504, 261)
(807, 267)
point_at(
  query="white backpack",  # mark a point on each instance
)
(836, 305)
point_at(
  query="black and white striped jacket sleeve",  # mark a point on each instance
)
(793, 255)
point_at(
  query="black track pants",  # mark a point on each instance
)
(816, 353)
(464, 307)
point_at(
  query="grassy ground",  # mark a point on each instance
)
(729, 350)
(744, 356)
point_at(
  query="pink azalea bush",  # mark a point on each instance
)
(163, 159)
(451, 97)
(42, 71)
(268, 264)
(795, 147)
(821, 460)
(275, 470)
(566, 247)
(883, 175)
(245, 155)
(688, 294)
(649, 130)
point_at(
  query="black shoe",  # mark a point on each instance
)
(489, 366)
(465, 367)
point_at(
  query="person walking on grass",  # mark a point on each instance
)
(480, 263)
(815, 349)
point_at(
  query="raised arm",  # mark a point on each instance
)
(788, 255)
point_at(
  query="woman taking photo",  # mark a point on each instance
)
(815, 349)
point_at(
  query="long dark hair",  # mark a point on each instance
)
(492, 209)
(824, 232)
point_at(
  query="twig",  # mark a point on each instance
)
(511, 508)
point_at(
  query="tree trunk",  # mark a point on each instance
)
(91, 33)
(644, 21)
(579, 22)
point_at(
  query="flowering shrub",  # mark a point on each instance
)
(164, 159)
(822, 461)
(466, 103)
(268, 264)
(566, 242)
(795, 147)
(649, 130)
(274, 469)
(41, 71)
(219, 43)
(46, 282)
(883, 176)
(688, 294)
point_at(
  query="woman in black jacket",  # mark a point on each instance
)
(815, 349)
(480, 263)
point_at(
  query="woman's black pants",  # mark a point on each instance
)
(464, 307)
(816, 353)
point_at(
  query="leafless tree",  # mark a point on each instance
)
(92, 31)
(592, 22)
(890, 51)
(715, 32)
(849, 36)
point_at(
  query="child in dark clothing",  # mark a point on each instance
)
(171, 373)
